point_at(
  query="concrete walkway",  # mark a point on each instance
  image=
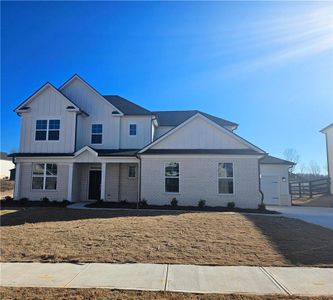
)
(172, 278)
(322, 216)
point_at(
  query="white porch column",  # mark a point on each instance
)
(70, 182)
(17, 181)
(103, 178)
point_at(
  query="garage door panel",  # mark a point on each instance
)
(270, 187)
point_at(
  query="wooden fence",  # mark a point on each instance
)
(310, 188)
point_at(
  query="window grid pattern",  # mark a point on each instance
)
(44, 176)
(96, 133)
(47, 130)
(131, 171)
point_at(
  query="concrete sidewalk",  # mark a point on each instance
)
(172, 278)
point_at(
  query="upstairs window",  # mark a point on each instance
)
(226, 178)
(132, 129)
(47, 130)
(54, 129)
(171, 177)
(44, 176)
(96, 133)
(41, 130)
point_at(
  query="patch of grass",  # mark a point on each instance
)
(107, 294)
(67, 235)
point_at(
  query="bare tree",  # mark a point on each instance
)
(325, 169)
(291, 155)
(314, 168)
(303, 168)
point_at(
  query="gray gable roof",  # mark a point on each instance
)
(174, 118)
(127, 107)
(271, 160)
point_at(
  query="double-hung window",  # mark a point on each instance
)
(54, 129)
(96, 133)
(226, 178)
(44, 176)
(132, 129)
(171, 173)
(41, 130)
(47, 130)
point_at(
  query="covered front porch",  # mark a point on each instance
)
(103, 175)
(114, 181)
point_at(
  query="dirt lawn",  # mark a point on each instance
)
(67, 235)
(81, 294)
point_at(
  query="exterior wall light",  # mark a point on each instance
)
(284, 179)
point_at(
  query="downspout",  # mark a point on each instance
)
(260, 191)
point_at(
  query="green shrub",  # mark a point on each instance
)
(143, 203)
(65, 201)
(231, 205)
(174, 202)
(202, 203)
(262, 206)
(8, 198)
(45, 200)
(100, 200)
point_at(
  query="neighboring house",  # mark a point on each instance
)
(79, 145)
(328, 131)
(6, 165)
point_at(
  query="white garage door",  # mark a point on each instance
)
(270, 186)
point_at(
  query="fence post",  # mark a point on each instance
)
(300, 190)
(310, 188)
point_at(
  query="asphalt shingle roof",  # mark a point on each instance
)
(174, 118)
(127, 107)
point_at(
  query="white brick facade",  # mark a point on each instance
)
(198, 180)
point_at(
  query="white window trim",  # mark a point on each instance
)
(47, 129)
(129, 129)
(165, 164)
(91, 133)
(134, 177)
(233, 178)
(44, 176)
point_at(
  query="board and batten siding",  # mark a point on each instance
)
(48, 105)
(160, 130)
(26, 191)
(100, 112)
(199, 180)
(199, 133)
(143, 132)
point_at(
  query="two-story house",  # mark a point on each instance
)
(79, 145)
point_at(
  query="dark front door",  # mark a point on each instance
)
(94, 185)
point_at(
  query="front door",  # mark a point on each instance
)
(94, 185)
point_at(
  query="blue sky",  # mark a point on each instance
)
(265, 65)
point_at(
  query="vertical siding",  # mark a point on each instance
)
(26, 184)
(143, 133)
(199, 134)
(99, 110)
(48, 105)
(198, 180)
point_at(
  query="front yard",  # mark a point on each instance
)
(66, 235)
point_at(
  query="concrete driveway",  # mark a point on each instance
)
(322, 216)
